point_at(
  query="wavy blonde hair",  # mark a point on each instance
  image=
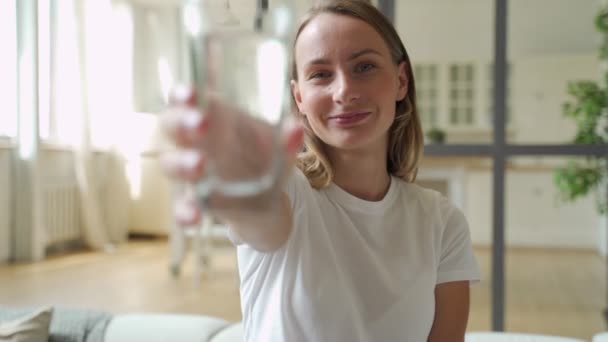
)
(406, 140)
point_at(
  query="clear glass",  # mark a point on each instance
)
(247, 68)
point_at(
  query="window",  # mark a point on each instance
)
(8, 68)
(427, 94)
(461, 90)
(79, 80)
(60, 105)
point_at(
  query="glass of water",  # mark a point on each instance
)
(247, 68)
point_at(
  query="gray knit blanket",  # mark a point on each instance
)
(67, 325)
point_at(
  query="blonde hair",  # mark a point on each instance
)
(406, 140)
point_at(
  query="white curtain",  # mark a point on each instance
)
(92, 100)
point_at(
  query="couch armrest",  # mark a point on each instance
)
(163, 328)
(601, 337)
(233, 333)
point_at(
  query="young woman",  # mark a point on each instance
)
(352, 249)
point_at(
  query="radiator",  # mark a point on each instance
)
(61, 214)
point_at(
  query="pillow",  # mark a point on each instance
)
(31, 328)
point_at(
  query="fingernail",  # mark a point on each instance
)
(190, 159)
(194, 123)
(185, 212)
(291, 123)
(181, 93)
(192, 119)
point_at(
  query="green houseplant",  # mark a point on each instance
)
(589, 110)
(436, 135)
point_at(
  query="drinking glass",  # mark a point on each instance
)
(248, 69)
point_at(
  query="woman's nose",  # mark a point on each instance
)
(345, 90)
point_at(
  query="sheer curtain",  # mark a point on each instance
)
(92, 99)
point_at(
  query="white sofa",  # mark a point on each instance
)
(514, 337)
(601, 337)
(171, 328)
(84, 325)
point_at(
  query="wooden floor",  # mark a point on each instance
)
(548, 292)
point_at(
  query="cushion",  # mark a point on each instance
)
(233, 333)
(78, 325)
(163, 327)
(601, 337)
(514, 337)
(68, 324)
(33, 327)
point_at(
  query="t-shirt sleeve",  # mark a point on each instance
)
(457, 261)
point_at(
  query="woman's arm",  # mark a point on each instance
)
(451, 312)
(239, 146)
(267, 229)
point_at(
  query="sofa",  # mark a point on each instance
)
(515, 337)
(171, 328)
(79, 325)
(601, 337)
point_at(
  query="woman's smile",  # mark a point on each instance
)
(349, 119)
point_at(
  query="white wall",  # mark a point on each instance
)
(533, 216)
(538, 88)
(464, 29)
(151, 212)
(114, 195)
(5, 203)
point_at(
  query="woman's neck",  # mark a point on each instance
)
(362, 174)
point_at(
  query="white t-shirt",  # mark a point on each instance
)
(354, 270)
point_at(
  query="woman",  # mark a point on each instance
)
(351, 250)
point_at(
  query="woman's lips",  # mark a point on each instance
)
(348, 119)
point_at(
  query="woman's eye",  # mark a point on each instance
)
(363, 67)
(319, 74)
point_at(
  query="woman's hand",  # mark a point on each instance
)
(236, 145)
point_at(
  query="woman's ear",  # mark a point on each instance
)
(297, 96)
(403, 82)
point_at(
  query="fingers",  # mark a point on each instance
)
(187, 212)
(182, 96)
(183, 122)
(293, 138)
(186, 126)
(188, 165)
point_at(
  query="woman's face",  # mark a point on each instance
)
(348, 84)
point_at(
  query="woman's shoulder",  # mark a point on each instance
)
(297, 187)
(297, 180)
(414, 192)
(431, 201)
